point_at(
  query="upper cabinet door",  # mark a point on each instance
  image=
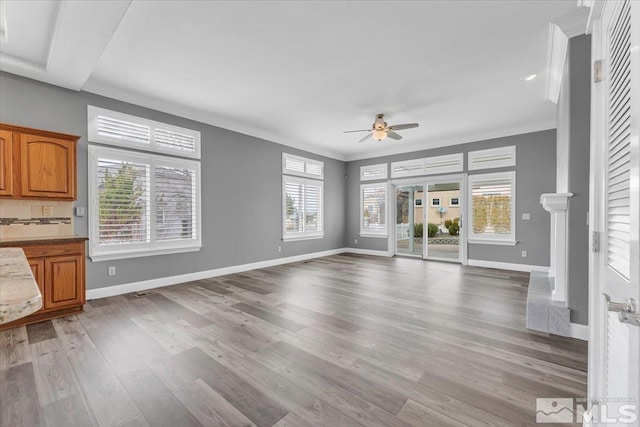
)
(6, 163)
(48, 167)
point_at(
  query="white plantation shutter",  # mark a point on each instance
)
(618, 211)
(115, 128)
(175, 203)
(372, 172)
(373, 209)
(492, 207)
(407, 168)
(142, 204)
(313, 206)
(444, 164)
(492, 158)
(303, 198)
(301, 166)
(123, 197)
(176, 140)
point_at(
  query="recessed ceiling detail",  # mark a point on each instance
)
(277, 70)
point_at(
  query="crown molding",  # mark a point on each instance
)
(560, 31)
(168, 107)
(466, 139)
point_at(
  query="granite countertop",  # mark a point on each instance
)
(23, 241)
(19, 292)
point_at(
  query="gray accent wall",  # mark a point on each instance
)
(535, 174)
(579, 100)
(241, 186)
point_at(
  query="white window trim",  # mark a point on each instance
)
(439, 202)
(306, 161)
(374, 168)
(451, 205)
(97, 253)
(375, 233)
(93, 135)
(303, 235)
(492, 239)
(415, 202)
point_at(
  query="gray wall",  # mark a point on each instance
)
(241, 186)
(535, 174)
(579, 99)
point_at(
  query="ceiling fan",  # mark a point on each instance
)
(380, 129)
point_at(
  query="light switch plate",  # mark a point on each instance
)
(526, 216)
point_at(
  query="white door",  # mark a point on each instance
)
(614, 350)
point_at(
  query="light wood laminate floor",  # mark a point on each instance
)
(338, 341)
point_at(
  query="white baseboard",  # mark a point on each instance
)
(109, 291)
(507, 266)
(579, 331)
(367, 252)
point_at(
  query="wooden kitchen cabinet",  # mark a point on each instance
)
(58, 266)
(37, 269)
(37, 164)
(6, 165)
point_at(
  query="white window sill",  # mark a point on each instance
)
(380, 236)
(306, 237)
(492, 242)
(141, 253)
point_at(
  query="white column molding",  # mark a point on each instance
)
(560, 31)
(557, 204)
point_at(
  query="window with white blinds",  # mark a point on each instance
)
(302, 198)
(617, 189)
(373, 210)
(492, 158)
(125, 130)
(492, 208)
(373, 172)
(142, 204)
(300, 166)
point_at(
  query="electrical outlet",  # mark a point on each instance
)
(526, 217)
(524, 254)
(111, 271)
(279, 248)
(47, 211)
(355, 241)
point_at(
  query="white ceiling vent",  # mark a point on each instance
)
(492, 158)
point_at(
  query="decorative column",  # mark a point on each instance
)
(556, 204)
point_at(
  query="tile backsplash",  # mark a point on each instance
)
(35, 218)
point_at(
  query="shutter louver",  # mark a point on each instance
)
(312, 208)
(111, 127)
(175, 203)
(294, 194)
(443, 164)
(619, 146)
(407, 168)
(492, 158)
(176, 140)
(371, 172)
(123, 189)
(374, 206)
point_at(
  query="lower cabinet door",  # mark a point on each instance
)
(62, 286)
(37, 268)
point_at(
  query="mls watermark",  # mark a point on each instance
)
(577, 410)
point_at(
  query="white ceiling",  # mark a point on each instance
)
(301, 73)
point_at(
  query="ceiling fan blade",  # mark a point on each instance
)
(366, 137)
(351, 131)
(391, 134)
(405, 126)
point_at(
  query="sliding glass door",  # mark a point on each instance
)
(409, 220)
(429, 220)
(444, 220)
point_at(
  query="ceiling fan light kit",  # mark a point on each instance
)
(380, 130)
